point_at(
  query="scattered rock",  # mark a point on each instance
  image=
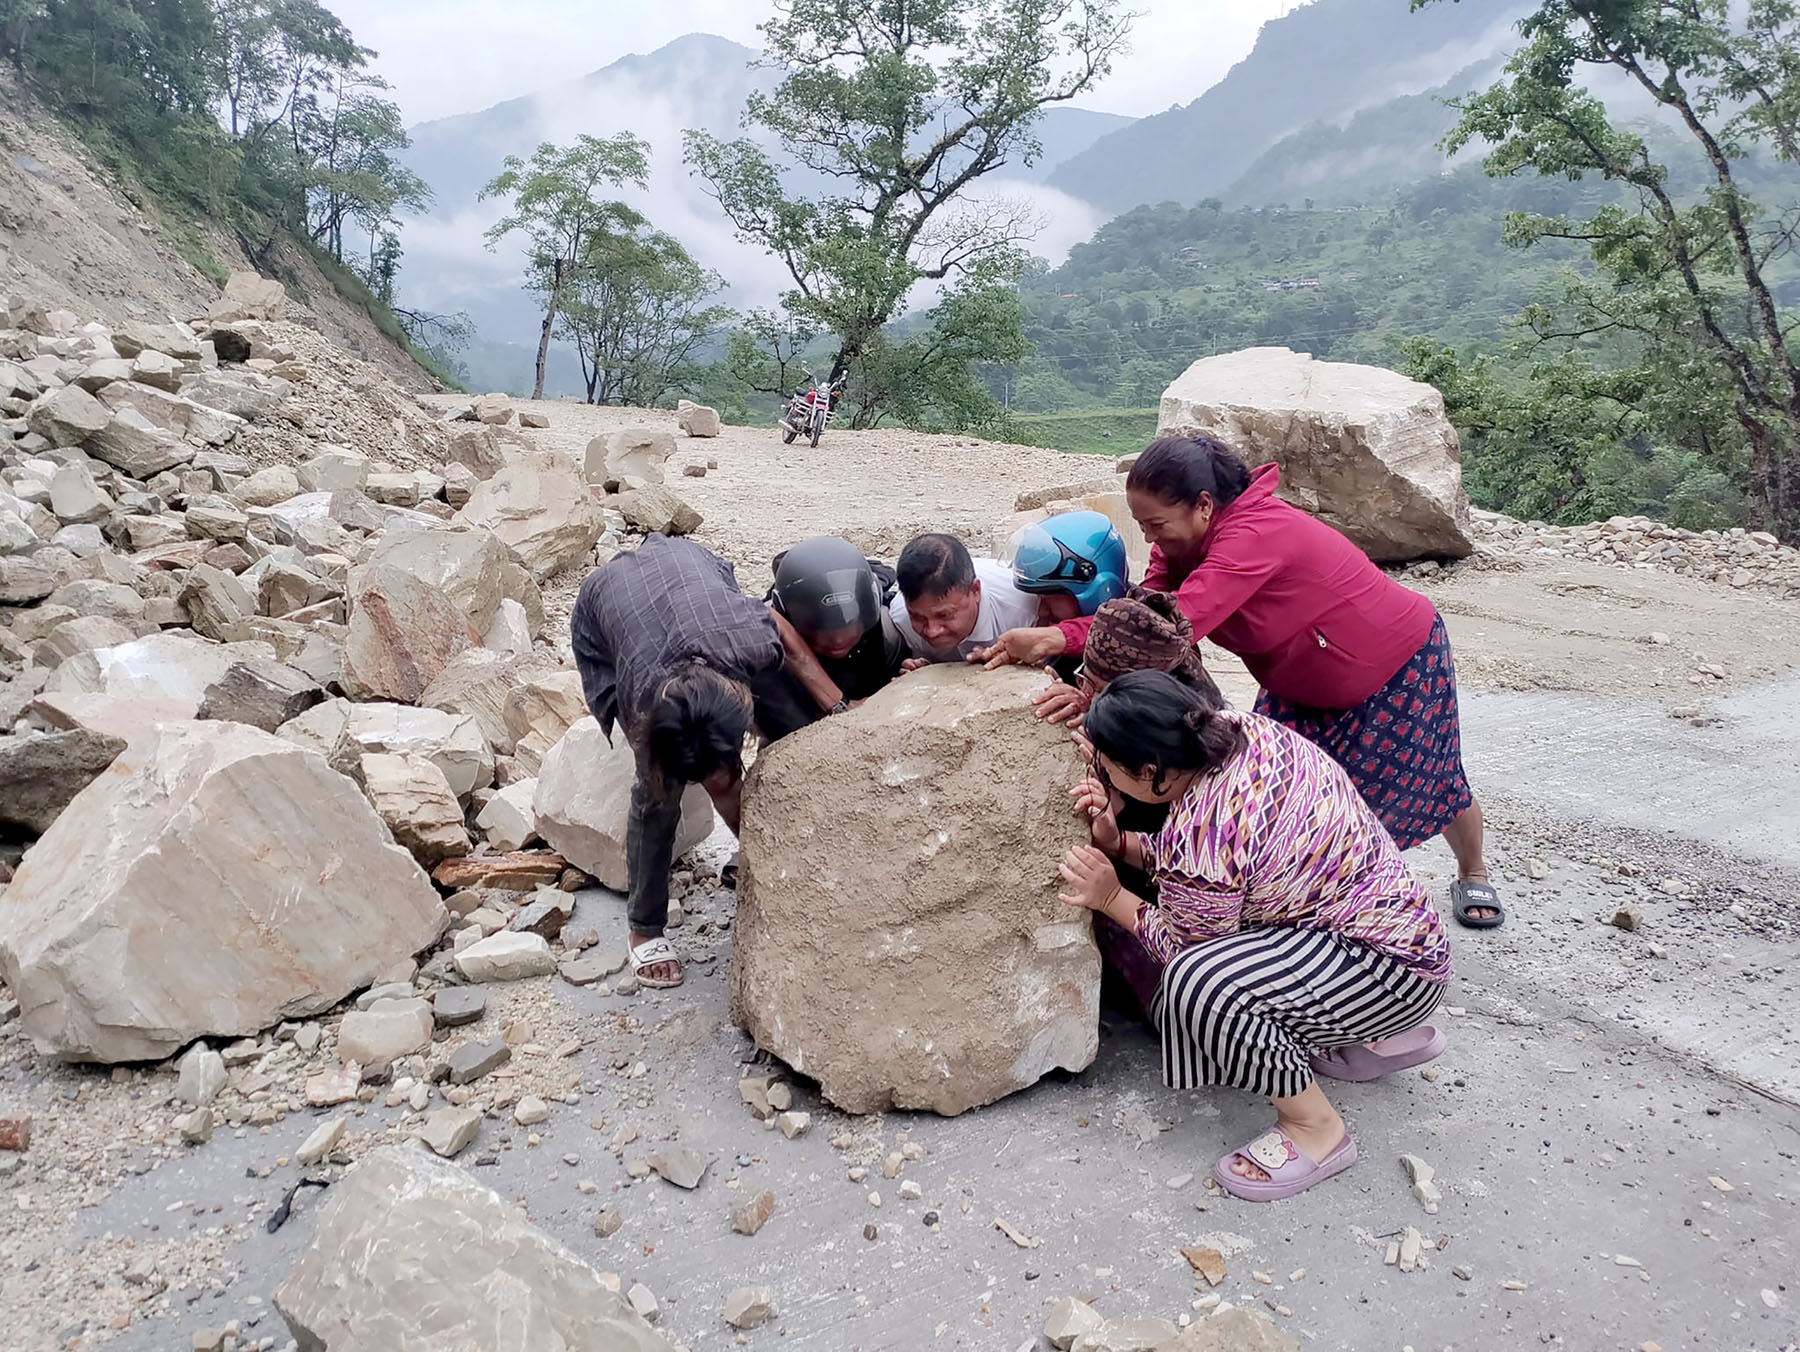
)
(1206, 1263)
(215, 881)
(473, 1060)
(260, 693)
(807, 913)
(697, 420)
(541, 510)
(545, 915)
(530, 1110)
(202, 1076)
(634, 456)
(454, 1006)
(643, 1302)
(1068, 1320)
(410, 1253)
(509, 820)
(684, 1168)
(325, 1138)
(608, 1222)
(506, 956)
(1629, 916)
(385, 1032)
(1133, 1333)
(403, 632)
(1422, 1174)
(41, 773)
(749, 1307)
(791, 1125)
(653, 507)
(1233, 1328)
(750, 1214)
(518, 872)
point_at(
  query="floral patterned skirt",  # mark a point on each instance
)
(1402, 747)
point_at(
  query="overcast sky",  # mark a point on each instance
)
(457, 56)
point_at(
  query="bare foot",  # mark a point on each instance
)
(1315, 1142)
(656, 971)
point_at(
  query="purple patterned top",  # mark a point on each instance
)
(1280, 836)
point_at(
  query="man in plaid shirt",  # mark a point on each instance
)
(668, 648)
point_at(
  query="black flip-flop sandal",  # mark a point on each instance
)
(1469, 896)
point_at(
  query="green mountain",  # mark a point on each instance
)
(1321, 63)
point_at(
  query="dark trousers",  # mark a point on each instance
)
(650, 829)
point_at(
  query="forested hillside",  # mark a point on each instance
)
(246, 132)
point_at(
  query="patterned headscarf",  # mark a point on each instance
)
(1146, 631)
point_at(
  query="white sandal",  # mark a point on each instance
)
(649, 954)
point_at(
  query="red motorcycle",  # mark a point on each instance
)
(810, 409)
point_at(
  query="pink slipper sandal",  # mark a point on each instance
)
(1289, 1170)
(1360, 1064)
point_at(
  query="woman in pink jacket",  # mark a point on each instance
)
(1346, 656)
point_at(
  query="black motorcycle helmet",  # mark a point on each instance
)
(825, 584)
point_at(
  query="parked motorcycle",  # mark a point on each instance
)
(810, 409)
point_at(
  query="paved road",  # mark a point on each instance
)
(1587, 1097)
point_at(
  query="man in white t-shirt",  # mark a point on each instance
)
(950, 605)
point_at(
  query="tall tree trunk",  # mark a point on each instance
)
(556, 286)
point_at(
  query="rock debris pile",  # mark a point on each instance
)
(1748, 560)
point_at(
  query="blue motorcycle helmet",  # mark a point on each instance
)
(1081, 553)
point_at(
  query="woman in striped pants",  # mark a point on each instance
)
(1297, 943)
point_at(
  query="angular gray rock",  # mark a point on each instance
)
(262, 694)
(248, 295)
(1234, 1328)
(24, 580)
(133, 442)
(384, 1032)
(410, 1254)
(475, 447)
(412, 796)
(541, 510)
(697, 420)
(468, 565)
(634, 456)
(1362, 448)
(214, 882)
(583, 797)
(506, 956)
(986, 980)
(40, 773)
(655, 508)
(174, 665)
(334, 469)
(67, 416)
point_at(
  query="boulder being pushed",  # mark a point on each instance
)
(213, 882)
(898, 934)
(1362, 448)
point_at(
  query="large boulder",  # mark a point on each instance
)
(584, 796)
(469, 565)
(475, 447)
(478, 683)
(411, 1254)
(248, 295)
(403, 632)
(1362, 448)
(654, 507)
(899, 938)
(541, 510)
(67, 416)
(213, 882)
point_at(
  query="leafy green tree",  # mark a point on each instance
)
(1683, 291)
(350, 145)
(895, 108)
(556, 205)
(637, 312)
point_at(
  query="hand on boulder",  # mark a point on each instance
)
(1060, 703)
(1094, 803)
(1027, 647)
(1093, 882)
(913, 664)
